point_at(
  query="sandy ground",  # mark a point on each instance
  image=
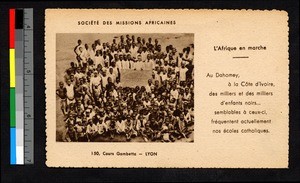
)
(65, 44)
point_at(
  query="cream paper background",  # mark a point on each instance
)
(211, 28)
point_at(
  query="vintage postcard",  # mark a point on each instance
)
(167, 88)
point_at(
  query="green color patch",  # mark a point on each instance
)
(12, 107)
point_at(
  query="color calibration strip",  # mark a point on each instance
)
(21, 85)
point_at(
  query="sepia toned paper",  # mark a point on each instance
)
(240, 87)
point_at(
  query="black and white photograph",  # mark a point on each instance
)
(128, 87)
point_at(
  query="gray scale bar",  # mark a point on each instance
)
(19, 91)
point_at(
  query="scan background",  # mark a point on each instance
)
(39, 172)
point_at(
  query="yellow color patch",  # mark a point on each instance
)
(12, 68)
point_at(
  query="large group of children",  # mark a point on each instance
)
(95, 103)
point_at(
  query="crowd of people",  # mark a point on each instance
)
(95, 103)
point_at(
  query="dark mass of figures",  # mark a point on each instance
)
(96, 105)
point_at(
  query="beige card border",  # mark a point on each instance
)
(114, 162)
